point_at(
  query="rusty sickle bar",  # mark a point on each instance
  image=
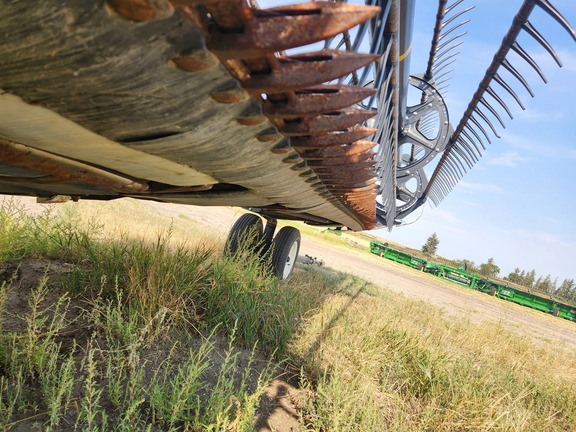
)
(318, 118)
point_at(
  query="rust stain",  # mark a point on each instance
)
(319, 119)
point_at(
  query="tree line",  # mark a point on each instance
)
(544, 284)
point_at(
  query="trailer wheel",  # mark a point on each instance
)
(246, 232)
(493, 291)
(285, 248)
(556, 311)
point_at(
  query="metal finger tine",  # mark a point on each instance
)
(478, 111)
(529, 28)
(443, 81)
(471, 129)
(492, 110)
(439, 55)
(452, 170)
(550, 10)
(462, 12)
(454, 157)
(498, 99)
(437, 65)
(524, 55)
(444, 74)
(435, 68)
(517, 75)
(462, 153)
(447, 32)
(500, 81)
(447, 9)
(452, 39)
(479, 126)
(457, 166)
(444, 185)
(468, 148)
(471, 141)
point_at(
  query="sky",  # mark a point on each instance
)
(518, 204)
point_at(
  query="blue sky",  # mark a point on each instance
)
(518, 204)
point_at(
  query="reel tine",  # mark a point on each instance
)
(468, 149)
(500, 81)
(478, 111)
(447, 32)
(471, 129)
(462, 12)
(492, 110)
(529, 28)
(479, 126)
(447, 9)
(500, 101)
(464, 157)
(443, 66)
(467, 134)
(447, 50)
(518, 50)
(550, 10)
(517, 75)
(469, 138)
(452, 39)
(444, 60)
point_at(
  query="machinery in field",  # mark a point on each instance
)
(294, 112)
(461, 276)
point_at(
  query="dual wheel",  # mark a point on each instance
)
(248, 233)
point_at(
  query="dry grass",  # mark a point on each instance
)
(396, 364)
(155, 291)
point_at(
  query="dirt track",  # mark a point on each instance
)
(455, 300)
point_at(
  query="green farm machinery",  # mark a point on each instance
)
(476, 282)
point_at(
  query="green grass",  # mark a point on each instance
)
(154, 332)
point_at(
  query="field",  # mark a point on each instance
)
(125, 316)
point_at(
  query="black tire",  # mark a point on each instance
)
(246, 233)
(285, 248)
(555, 311)
(493, 291)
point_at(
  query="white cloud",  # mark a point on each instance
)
(535, 147)
(471, 203)
(543, 238)
(508, 159)
(479, 187)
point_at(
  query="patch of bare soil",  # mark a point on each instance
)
(278, 410)
(21, 278)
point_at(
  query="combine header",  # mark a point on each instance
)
(295, 112)
(461, 276)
